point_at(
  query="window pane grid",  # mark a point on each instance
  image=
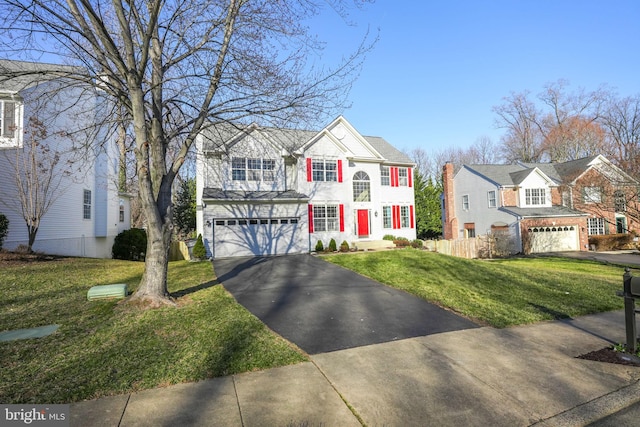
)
(404, 216)
(386, 217)
(385, 176)
(402, 177)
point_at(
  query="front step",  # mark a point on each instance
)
(372, 245)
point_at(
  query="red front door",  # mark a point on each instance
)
(363, 222)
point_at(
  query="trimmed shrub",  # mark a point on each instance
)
(402, 242)
(333, 247)
(610, 242)
(130, 245)
(4, 228)
(344, 246)
(417, 243)
(319, 246)
(389, 237)
(198, 251)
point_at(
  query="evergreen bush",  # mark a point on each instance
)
(4, 228)
(199, 252)
(344, 246)
(319, 246)
(417, 243)
(130, 245)
(333, 247)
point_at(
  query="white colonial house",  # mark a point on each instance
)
(266, 191)
(87, 211)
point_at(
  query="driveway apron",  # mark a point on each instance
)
(322, 307)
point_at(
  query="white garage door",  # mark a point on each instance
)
(258, 236)
(554, 239)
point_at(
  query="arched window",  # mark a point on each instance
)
(361, 187)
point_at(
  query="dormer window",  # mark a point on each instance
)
(535, 196)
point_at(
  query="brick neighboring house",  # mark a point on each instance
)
(267, 191)
(539, 207)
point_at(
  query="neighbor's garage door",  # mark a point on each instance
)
(256, 237)
(554, 239)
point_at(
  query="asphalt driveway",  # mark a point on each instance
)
(322, 307)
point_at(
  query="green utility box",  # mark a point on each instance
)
(118, 290)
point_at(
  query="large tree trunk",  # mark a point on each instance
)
(153, 289)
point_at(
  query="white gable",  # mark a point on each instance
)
(536, 179)
(346, 139)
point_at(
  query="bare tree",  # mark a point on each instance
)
(563, 127)
(177, 67)
(621, 119)
(39, 173)
(570, 127)
(520, 118)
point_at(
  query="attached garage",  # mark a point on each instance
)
(258, 236)
(554, 239)
(255, 223)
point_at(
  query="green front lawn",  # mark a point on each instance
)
(102, 349)
(496, 292)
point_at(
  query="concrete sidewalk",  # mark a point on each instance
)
(517, 376)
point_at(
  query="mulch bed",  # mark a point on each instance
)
(15, 258)
(609, 355)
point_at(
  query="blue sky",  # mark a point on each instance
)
(440, 66)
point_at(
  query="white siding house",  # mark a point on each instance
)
(87, 211)
(265, 191)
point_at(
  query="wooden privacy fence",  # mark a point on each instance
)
(475, 247)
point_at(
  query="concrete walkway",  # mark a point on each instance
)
(518, 376)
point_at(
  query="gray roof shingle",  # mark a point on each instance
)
(388, 151)
(18, 75)
(543, 212)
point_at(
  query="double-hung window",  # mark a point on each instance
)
(592, 195)
(385, 176)
(8, 122)
(268, 169)
(534, 196)
(252, 169)
(491, 198)
(326, 218)
(86, 204)
(405, 219)
(465, 202)
(386, 217)
(239, 169)
(403, 177)
(324, 170)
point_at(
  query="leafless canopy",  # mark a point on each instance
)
(176, 67)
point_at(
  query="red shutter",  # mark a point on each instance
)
(309, 170)
(340, 173)
(341, 217)
(410, 178)
(411, 215)
(395, 216)
(392, 179)
(310, 218)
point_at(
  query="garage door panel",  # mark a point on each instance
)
(554, 239)
(270, 238)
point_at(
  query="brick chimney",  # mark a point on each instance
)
(450, 222)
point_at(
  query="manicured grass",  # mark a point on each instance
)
(103, 349)
(496, 292)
